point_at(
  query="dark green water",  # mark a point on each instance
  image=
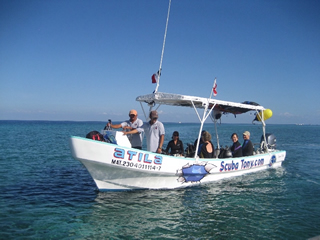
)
(45, 194)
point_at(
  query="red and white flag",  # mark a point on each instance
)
(214, 89)
(155, 78)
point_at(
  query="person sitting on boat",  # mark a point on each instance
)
(133, 123)
(236, 148)
(154, 131)
(206, 149)
(201, 141)
(175, 145)
(247, 146)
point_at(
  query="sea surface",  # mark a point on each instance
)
(46, 194)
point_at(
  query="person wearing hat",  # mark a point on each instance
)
(175, 145)
(247, 146)
(133, 123)
(154, 131)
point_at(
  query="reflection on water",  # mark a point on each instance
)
(211, 210)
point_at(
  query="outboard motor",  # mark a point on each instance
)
(271, 141)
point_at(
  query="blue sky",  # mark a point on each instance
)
(89, 60)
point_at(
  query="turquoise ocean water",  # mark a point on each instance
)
(46, 194)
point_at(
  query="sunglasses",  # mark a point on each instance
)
(132, 115)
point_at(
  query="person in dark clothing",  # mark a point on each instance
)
(247, 146)
(200, 140)
(206, 149)
(236, 148)
(175, 145)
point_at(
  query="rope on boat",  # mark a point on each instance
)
(164, 42)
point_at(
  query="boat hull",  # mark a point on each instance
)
(118, 168)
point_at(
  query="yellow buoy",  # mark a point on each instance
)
(266, 115)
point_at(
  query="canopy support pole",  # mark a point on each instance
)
(264, 131)
(215, 127)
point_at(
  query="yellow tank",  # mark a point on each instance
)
(266, 115)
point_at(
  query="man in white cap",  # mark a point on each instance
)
(247, 146)
(133, 123)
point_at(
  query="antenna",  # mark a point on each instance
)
(164, 42)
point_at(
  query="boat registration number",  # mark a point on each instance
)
(135, 165)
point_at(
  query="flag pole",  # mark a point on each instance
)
(164, 42)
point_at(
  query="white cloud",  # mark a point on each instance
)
(286, 114)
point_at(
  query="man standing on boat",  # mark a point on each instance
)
(133, 123)
(247, 146)
(154, 131)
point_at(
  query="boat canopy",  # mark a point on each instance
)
(209, 105)
(199, 102)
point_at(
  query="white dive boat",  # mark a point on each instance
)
(120, 167)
